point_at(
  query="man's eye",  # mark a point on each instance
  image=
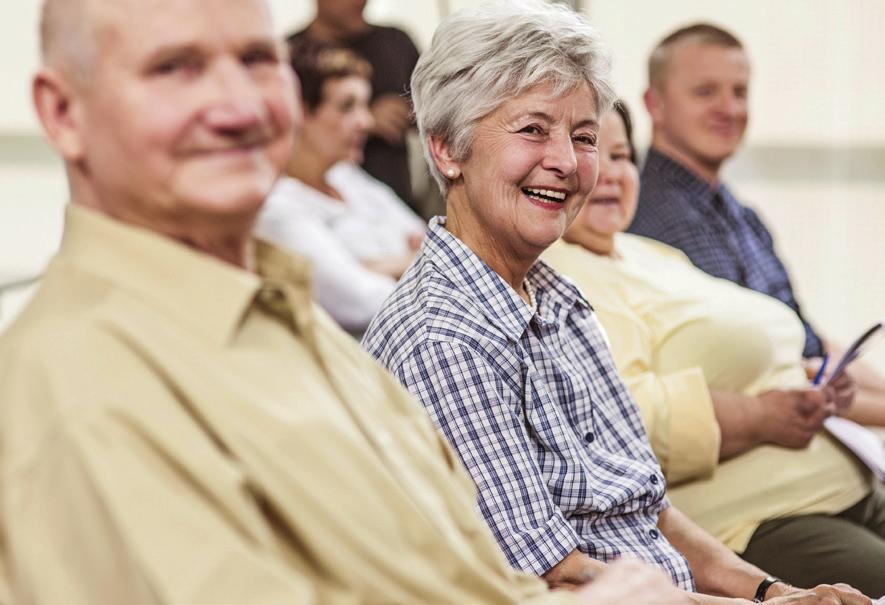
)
(174, 66)
(258, 57)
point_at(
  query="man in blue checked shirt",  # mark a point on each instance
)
(698, 103)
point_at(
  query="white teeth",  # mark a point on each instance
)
(556, 195)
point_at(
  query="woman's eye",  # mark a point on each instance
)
(585, 139)
(531, 129)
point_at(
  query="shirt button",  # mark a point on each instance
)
(655, 534)
(654, 479)
(589, 437)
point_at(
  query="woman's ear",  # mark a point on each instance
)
(57, 104)
(442, 157)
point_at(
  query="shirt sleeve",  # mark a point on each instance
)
(350, 292)
(103, 516)
(676, 407)
(467, 400)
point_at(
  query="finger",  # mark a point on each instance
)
(810, 401)
(852, 593)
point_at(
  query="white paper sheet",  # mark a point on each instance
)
(865, 444)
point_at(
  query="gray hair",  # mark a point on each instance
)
(481, 57)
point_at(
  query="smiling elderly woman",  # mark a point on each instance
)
(507, 355)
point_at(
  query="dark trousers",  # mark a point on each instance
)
(826, 549)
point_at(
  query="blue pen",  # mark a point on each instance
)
(821, 370)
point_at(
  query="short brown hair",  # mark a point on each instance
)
(318, 62)
(700, 33)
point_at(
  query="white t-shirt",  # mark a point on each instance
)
(370, 223)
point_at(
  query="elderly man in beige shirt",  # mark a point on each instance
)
(178, 422)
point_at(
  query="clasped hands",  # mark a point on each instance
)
(792, 417)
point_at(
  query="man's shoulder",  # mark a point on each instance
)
(56, 354)
(662, 205)
(63, 327)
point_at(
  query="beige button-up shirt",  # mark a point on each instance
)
(174, 429)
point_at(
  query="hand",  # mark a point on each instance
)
(393, 117)
(844, 387)
(629, 581)
(825, 594)
(792, 417)
(415, 240)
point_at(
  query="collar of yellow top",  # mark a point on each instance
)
(206, 294)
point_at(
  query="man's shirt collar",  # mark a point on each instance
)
(214, 297)
(718, 198)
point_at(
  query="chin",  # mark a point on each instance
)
(543, 236)
(229, 201)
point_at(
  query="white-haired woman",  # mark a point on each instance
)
(504, 353)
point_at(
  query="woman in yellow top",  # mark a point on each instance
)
(716, 370)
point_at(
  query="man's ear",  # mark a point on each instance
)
(653, 101)
(442, 157)
(58, 107)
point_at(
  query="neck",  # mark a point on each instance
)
(329, 32)
(310, 168)
(227, 238)
(511, 266)
(708, 171)
(233, 249)
(601, 245)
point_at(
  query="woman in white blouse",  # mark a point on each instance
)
(359, 236)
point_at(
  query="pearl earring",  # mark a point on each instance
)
(450, 173)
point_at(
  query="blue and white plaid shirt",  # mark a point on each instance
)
(533, 405)
(718, 234)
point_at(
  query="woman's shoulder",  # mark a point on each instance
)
(361, 188)
(426, 307)
(290, 196)
(639, 246)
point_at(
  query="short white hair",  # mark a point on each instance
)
(68, 36)
(481, 57)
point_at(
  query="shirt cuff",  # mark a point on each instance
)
(693, 435)
(537, 550)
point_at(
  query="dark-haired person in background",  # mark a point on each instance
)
(358, 235)
(392, 55)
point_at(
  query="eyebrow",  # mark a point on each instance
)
(190, 49)
(540, 115)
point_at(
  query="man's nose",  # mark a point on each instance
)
(236, 100)
(732, 105)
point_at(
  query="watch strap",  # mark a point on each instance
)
(764, 585)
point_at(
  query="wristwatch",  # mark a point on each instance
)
(764, 585)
